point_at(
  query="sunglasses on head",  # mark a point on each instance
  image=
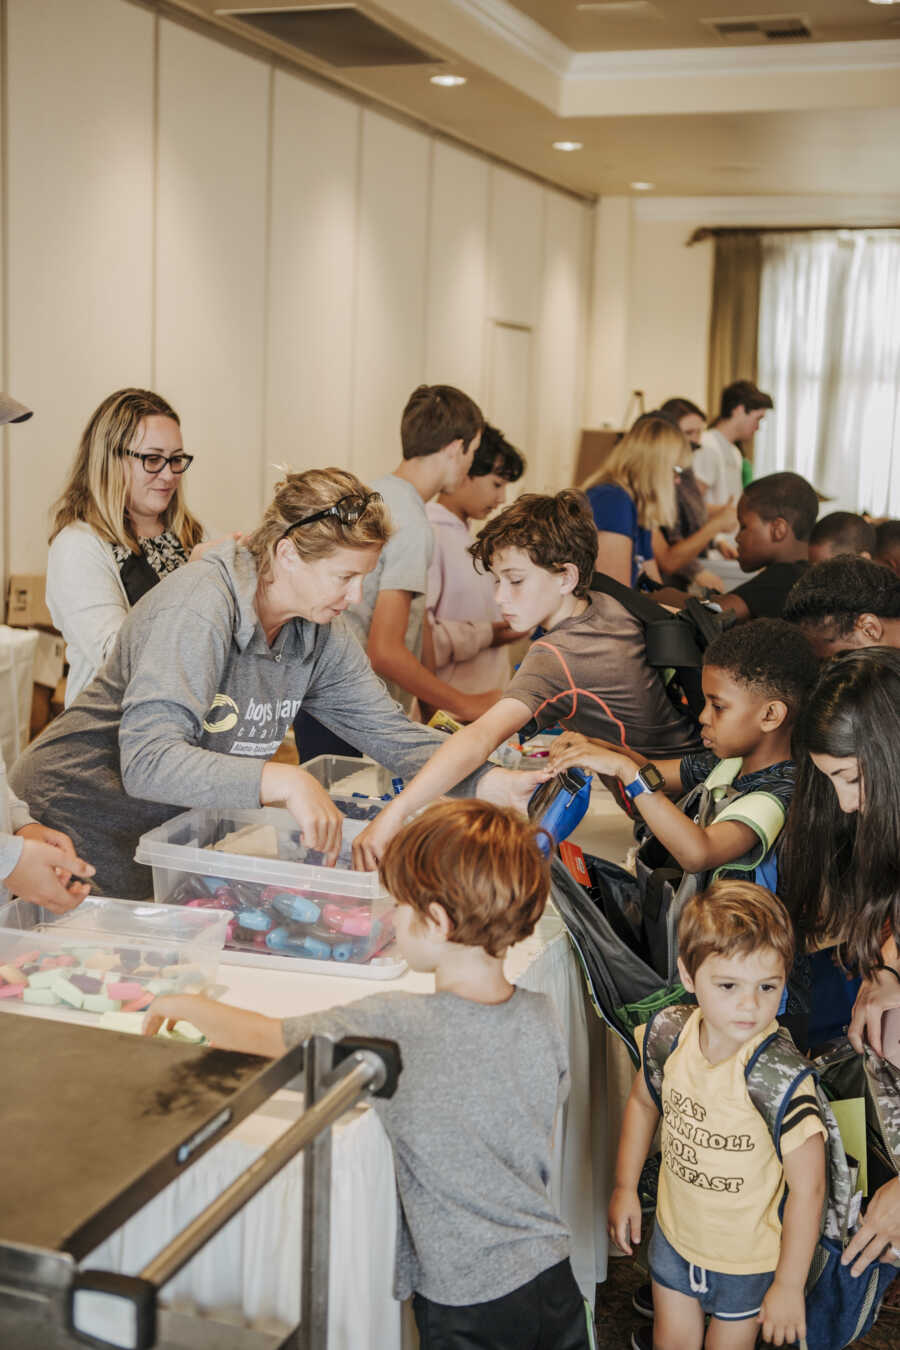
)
(348, 510)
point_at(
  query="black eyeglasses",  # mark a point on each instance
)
(348, 510)
(154, 461)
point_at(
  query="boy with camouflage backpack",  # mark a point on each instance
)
(755, 1193)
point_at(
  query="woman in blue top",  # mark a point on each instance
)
(632, 498)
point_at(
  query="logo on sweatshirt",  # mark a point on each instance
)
(224, 721)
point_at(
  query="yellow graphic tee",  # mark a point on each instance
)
(721, 1183)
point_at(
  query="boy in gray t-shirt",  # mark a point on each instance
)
(479, 1246)
(440, 431)
(589, 669)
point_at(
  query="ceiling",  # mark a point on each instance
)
(642, 25)
(652, 92)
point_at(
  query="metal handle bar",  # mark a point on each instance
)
(356, 1076)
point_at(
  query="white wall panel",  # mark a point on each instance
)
(560, 358)
(390, 315)
(457, 271)
(312, 277)
(671, 294)
(80, 100)
(510, 391)
(211, 266)
(516, 232)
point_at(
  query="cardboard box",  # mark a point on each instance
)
(49, 659)
(27, 607)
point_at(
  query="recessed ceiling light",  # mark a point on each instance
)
(884, 2)
(568, 145)
(448, 81)
(643, 187)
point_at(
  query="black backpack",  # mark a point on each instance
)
(675, 642)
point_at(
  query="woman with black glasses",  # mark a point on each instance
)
(206, 676)
(120, 525)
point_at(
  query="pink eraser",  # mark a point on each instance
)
(124, 990)
(11, 990)
(26, 959)
(353, 922)
(138, 1004)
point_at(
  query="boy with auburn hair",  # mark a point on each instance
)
(440, 430)
(479, 1244)
(776, 515)
(720, 1247)
(841, 533)
(589, 668)
(847, 602)
(756, 677)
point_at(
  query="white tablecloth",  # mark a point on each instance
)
(252, 1269)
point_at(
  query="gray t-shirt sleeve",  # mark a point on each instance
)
(174, 678)
(406, 556)
(10, 853)
(542, 685)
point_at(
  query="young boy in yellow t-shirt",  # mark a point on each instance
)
(720, 1246)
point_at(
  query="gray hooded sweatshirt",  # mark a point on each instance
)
(187, 708)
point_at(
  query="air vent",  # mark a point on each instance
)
(341, 35)
(761, 28)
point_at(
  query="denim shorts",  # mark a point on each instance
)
(732, 1298)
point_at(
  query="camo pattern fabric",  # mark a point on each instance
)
(883, 1082)
(773, 1075)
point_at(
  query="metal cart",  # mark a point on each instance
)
(96, 1123)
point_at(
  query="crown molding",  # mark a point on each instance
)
(691, 61)
(776, 211)
(520, 31)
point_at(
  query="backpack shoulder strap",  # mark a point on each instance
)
(660, 1039)
(773, 1073)
(636, 602)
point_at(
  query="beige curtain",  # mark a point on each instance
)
(734, 316)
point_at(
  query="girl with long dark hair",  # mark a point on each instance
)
(840, 859)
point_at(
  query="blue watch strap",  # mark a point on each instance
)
(635, 788)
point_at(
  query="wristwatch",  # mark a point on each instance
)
(648, 779)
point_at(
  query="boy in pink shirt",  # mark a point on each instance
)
(468, 634)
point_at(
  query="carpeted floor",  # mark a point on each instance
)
(615, 1317)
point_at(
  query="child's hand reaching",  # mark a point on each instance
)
(600, 756)
(624, 1219)
(223, 1026)
(783, 1314)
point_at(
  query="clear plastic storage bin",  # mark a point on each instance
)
(285, 909)
(104, 958)
(342, 775)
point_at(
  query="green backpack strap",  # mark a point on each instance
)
(660, 1039)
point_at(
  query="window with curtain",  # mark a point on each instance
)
(829, 354)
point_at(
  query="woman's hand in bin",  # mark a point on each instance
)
(320, 821)
(48, 870)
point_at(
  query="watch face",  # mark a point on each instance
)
(652, 777)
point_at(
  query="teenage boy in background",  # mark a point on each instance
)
(468, 634)
(440, 431)
(841, 533)
(887, 545)
(776, 515)
(719, 464)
